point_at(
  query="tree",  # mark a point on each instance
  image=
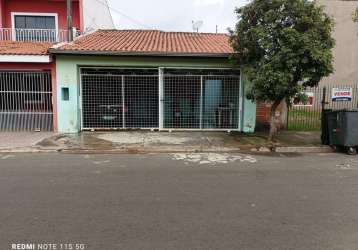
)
(282, 46)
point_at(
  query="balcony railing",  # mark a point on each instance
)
(35, 35)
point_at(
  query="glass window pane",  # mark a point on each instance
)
(20, 22)
(30, 22)
(35, 22)
(50, 23)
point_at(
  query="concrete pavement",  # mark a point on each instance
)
(180, 201)
(21, 141)
(164, 142)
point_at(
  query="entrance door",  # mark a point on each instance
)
(212, 100)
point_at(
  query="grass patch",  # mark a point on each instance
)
(304, 120)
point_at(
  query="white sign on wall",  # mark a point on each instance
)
(342, 94)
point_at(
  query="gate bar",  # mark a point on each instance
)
(201, 102)
(123, 105)
(161, 98)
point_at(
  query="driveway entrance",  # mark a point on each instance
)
(164, 99)
(119, 99)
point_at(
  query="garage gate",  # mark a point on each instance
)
(119, 99)
(26, 101)
(171, 99)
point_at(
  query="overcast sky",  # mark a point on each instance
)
(174, 15)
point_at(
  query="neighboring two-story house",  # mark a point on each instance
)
(27, 71)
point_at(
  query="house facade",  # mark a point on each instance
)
(148, 79)
(27, 71)
(113, 79)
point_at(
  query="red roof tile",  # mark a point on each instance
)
(149, 42)
(24, 48)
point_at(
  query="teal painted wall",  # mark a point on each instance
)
(68, 77)
(67, 111)
(249, 108)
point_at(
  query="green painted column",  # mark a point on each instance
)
(68, 109)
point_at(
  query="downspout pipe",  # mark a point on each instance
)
(69, 21)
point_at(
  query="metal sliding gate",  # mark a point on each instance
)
(169, 101)
(119, 101)
(205, 102)
(25, 101)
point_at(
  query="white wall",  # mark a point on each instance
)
(97, 15)
(346, 35)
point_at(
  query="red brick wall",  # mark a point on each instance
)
(262, 113)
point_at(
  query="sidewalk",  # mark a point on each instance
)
(22, 141)
(164, 142)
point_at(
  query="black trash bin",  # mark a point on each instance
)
(324, 127)
(343, 129)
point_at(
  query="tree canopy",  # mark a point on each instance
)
(283, 46)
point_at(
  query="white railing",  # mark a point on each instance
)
(37, 35)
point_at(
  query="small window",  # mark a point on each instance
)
(65, 93)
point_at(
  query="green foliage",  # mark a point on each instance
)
(355, 15)
(283, 45)
(303, 97)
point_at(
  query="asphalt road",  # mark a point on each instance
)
(179, 201)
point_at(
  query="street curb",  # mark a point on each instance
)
(151, 150)
(28, 150)
(143, 150)
(317, 149)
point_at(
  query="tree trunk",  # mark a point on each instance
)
(273, 123)
(284, 114)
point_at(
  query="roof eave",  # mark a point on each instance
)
(113, 53)
(19, 58)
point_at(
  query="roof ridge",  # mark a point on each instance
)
(149, 42)
(163, 31)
